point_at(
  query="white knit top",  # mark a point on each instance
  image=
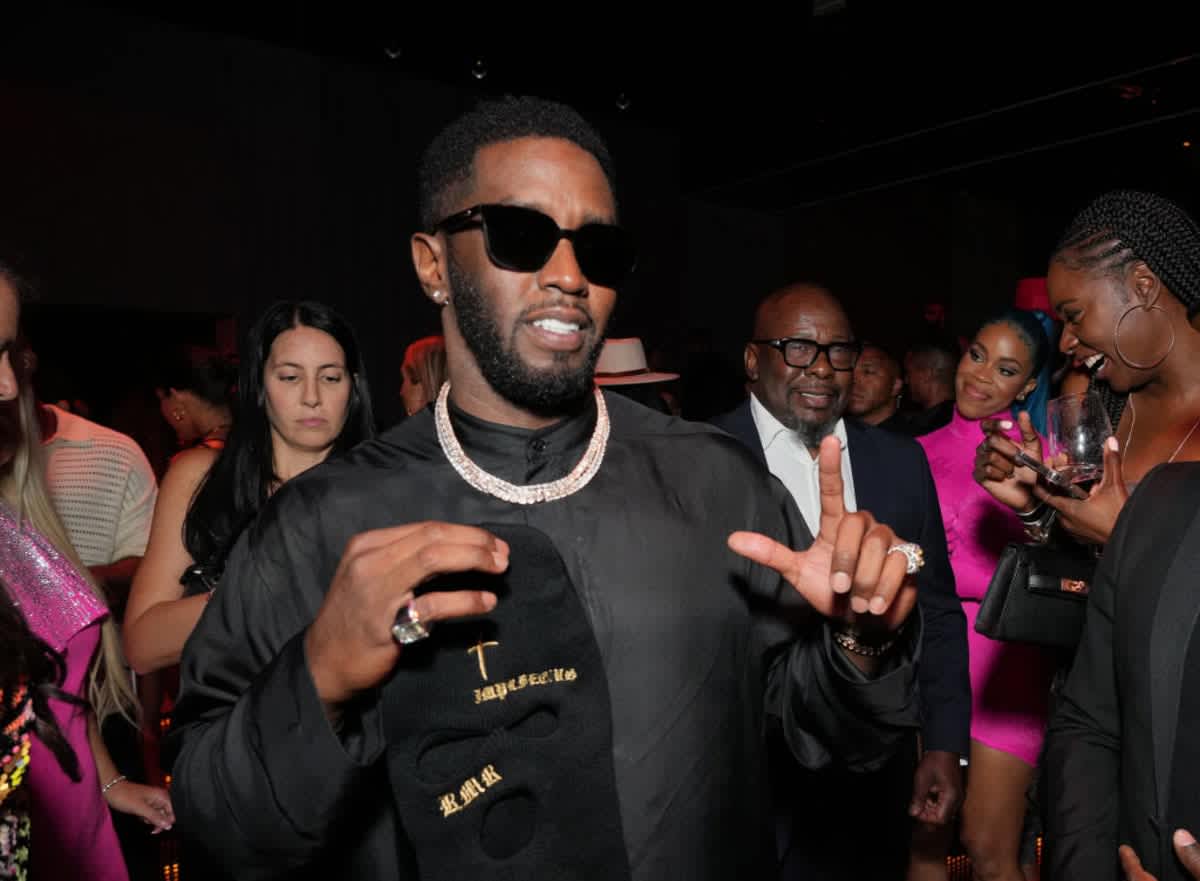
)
(103, 488)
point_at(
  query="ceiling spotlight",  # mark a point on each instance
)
(393, 53)
(479, 69)
(623, 101)
(1187, 144)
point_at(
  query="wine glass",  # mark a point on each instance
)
(1078, 426)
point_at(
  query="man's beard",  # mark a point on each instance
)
(812, 433)
(545, 393)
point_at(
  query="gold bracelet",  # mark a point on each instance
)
(120, 778)
(851, 644)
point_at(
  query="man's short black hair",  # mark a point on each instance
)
(449, 159)
(943, 350)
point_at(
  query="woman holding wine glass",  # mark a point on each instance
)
(1009, 682)
(1124, 744)
(1125, 280)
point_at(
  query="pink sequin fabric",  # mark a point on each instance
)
(72, 834)
(56, 601)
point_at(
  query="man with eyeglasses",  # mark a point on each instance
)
(523, 635)
(800, 366)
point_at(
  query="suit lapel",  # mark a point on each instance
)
(1174, 623)
(869, 490)
(742, 427)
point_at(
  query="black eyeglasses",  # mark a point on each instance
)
(523, 240)
(799, 352)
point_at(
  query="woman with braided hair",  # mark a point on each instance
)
(1125, 279)
(1122, 756)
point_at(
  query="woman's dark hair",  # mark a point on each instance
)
(208, 374)
(12, 272)
(243, 476)
(1031, 332)
(27, 662)
(1122, 227)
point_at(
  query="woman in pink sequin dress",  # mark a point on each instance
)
(1009, 682)
(72, 831)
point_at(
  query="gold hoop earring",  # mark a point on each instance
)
(1129, 362)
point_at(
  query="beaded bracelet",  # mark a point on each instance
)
(111, 783)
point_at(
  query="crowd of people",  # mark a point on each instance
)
(545, 627)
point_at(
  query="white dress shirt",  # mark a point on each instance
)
(790, 461)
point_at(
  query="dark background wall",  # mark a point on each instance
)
(149, 169)
(160, 178)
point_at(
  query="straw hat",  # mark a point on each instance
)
(623, 362)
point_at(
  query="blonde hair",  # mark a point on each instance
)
(23, 486)
(425, 364)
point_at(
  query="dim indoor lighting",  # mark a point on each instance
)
(1187, 144)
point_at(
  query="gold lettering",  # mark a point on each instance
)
(501, 690)
(470, 791)
(490, 776)
(478, 649)
(449, 805)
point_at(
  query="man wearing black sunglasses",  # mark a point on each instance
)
(523, 635)
(800, 363)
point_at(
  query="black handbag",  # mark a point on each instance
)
(1038, 594)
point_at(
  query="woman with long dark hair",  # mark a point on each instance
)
(302, 396)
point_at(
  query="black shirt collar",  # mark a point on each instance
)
(526, 455)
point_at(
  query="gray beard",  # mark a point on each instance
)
(811, 434)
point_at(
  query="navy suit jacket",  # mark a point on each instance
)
(893, 482)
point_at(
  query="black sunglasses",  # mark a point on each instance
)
(799, 352)
(523, 240)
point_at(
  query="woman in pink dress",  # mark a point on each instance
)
(72, 831)
(1009, 682)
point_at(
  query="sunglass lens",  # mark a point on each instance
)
(522, 240)
(519, 239)
(606, 253)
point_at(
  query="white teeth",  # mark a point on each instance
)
(1093, 361)
(555, 326)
